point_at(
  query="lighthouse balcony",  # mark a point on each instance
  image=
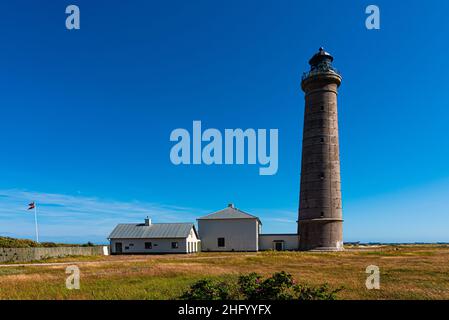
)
(320, 71)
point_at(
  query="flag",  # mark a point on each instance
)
(31, 206)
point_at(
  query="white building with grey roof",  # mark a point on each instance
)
(151, 237)
(229, 229)
(232, 229)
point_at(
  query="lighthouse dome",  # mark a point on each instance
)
(320, 56)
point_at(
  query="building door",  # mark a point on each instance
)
(278, 245)
(118, 247)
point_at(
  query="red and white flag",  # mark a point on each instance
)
(31, 206)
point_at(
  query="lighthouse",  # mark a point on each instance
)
(320, 220)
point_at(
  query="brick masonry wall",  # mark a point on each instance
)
(320, 209)
(32, 254)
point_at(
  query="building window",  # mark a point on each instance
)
(322, 176)
(131, 244)
(174, 245)
(221, 242)
(148, 245)
(126, 248)
(322, 214)
(322, 108)
(321, 140)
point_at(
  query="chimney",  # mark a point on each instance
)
(231, 205)
(148, 221)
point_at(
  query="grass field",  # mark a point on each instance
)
(407, 272)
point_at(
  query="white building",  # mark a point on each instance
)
(279, 242)
(229, 229)
(154, 238)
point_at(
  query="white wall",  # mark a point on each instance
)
(291, 241)
(158, 246)
(185, 245)
(239, 234)
(193, 243)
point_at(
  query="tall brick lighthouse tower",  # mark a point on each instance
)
(320, 210)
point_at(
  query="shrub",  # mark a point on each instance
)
(280, 286)
(7, 242)
(88, 244)
(207, 290)
(322, 292)
(48, 244)
(249, 285)
(277, 287)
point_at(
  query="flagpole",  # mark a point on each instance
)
(35, 222)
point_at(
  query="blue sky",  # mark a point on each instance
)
(86, 115)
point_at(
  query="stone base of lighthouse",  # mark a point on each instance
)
(321, 234)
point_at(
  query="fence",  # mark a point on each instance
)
(32, 254)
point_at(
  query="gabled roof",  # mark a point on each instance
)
(155, 230)
(229, 213)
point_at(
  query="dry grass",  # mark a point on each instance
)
(407, 272)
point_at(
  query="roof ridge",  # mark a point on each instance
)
(246, 215)
(172, 223)
(209, 214)
(153, 223)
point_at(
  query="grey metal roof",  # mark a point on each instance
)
(229, 213)
(155, 230)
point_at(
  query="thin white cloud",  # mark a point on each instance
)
(277, 220)
(413, 215)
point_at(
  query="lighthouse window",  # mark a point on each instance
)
(321, 139)
(322, 214)
(322, 108)
(322, 176)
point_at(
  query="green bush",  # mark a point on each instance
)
(88, 244)
(280, 286)
(249, 285)
(49, 244)
(322, 292)
(208, 290)
(7, 242)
